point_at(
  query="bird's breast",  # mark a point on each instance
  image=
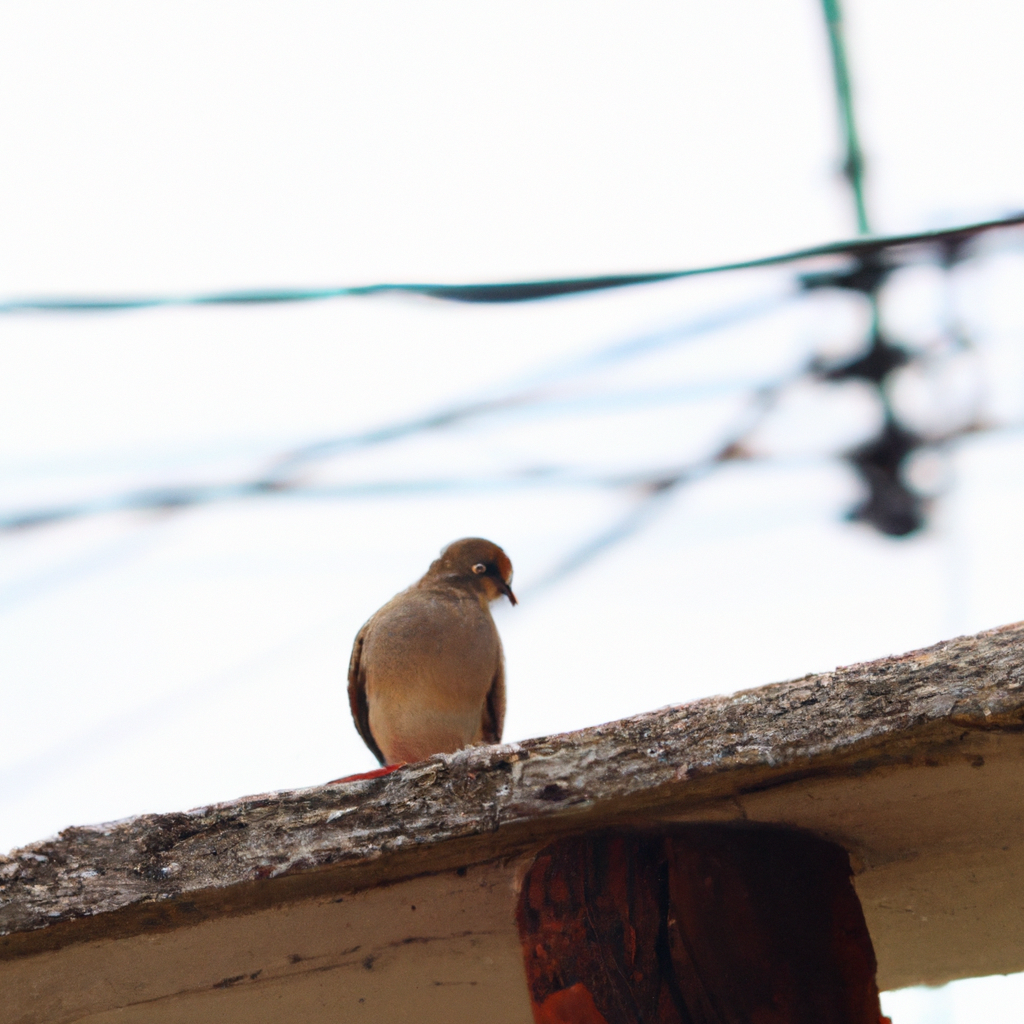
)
(430, 661)
(435, 638)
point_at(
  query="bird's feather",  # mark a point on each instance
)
(357, 695)
(494, 707)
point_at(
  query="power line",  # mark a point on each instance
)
(278, 476)
(508, 291)
(853, 166)
(529, 390)
(657, 488)
(890, 505)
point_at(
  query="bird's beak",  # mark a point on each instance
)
(507, 591)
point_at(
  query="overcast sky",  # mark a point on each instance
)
(157, 661)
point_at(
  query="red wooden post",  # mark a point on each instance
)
(699, 925)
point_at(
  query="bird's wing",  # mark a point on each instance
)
(357, 695)
(494, 707)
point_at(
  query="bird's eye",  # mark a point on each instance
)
(479, 568)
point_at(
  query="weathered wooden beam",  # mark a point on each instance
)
(911, 764)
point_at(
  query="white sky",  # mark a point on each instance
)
(154, 662)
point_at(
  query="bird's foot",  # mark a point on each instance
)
(375, 774)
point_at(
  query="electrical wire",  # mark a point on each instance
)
(657, 488)
(853, 166)
(507, 291)
(279, 475)
(528, 390)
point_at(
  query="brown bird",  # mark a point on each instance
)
(427, 674)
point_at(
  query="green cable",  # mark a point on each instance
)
(854, 165)
(509, 291)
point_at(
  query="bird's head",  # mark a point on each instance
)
(478, 563)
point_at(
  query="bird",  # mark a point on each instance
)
(427, 673)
